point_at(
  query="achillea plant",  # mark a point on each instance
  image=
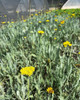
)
(47, 20)
(50, 90)
(41, 32)
(27, 70)
(67, 43)
(56, 20)
(40, 21)
(62, 22)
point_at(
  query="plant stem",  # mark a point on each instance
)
(28, 90)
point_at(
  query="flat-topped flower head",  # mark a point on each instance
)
(55, 38)
(24, 20)
(41, 32)
(56, 20)
(78, 52)
(47, 20)
(27, 70)
(40, 21)
(62, 22)
(39, 12)
(17, 12)
(31, 14)
(67, 43)
(12, 22)
(73, 14)
(36, 14)
(3, 22)
(25, 37)
(55, 29)
(5, 15)
(55, 16)
(50, 90)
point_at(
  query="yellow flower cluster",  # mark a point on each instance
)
(24, 20)
(67, 43)
(31, 14)
(5, 15)
(78, 52)
(39, 12)
(47, 20)
(55, 29)
(17, 12)
(55, 16)
(31, 23)
(50, 90)
(73, 14)
(25, 37)
(36, 14)
(27, 70)
(55, 38)
(62, 22)
(40, 21)
(56, 20)
(41, 32)
(3, 22)
(8, 22)
(12, 22)
(49, 60)
(48, 12)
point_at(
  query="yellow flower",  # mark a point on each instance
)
(55, 16)
(12, 22)
(55, 38)
(24, 20)
(31, 14)
(59, 25)
(10, 26)
(40, 21)
(50, 90)
(3, 22)
(70, 44)
(5, 15)
(48, 60)
(66, 18)
(17, 12)
(56, 20)
(47, 12)
(47, 20)
(27, 70)
(78, 52)
(55, 29)
(39, 12)
(62, 22)
(8, 22)
(36, 14)
(25, 37)
(41, 32)
(73, 14)
(67, 43)
(31, 23)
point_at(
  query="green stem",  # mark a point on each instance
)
(52, 96)
(28, 90)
